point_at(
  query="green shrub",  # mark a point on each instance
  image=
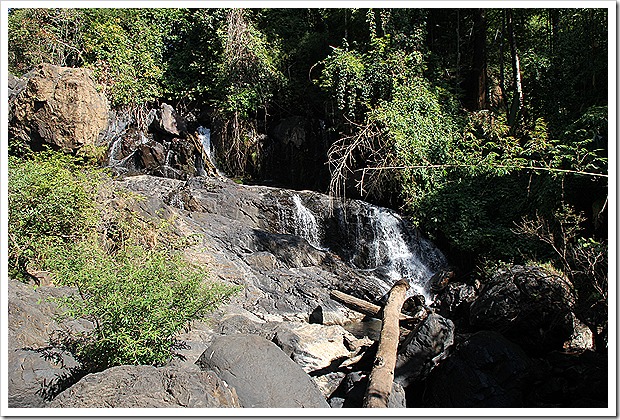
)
(138, 300)
(50, 204)
(131, 279)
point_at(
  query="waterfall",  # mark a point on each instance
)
(306, 225)
(373, 239)
(378, 241)
(414, 258)
(204, 135)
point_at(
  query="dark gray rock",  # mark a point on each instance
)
(454, 300)
(529, 305)
(486, 370)
(147, 386)
(37, 376)
(151, 155)
(422, 349)
(167, 121)
(31, 315)
(262, 375)
(350, 393)
(254, 236)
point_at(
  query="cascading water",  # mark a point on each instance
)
(370, 238)
(306, 225)
(204, 135)
(398, 255)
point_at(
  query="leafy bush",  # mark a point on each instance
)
(137, 298)
(50, 204)
(132, 280)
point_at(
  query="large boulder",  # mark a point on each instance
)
(32, 315)
(527, 304)
(486, 370)
(262, 375)
(314, 346)
(37, 376)
(147, 386)
(60, 107)
(422, 349)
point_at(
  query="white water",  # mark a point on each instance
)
(399, 256)
(306, 225)
(204, 135)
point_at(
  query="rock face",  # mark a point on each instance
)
(486, 370)
(528, 305)
(58, 106)
(422, 348)
(147, 386)
(261, 374)
(36, 371)
(35, 376)
(257, 236)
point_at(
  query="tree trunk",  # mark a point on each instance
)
(382, 375)
(371, 309)
(516, 109)
(479, 66)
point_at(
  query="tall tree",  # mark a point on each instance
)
(516, 109)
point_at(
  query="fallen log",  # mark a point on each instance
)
(371, 309)
(382, 374)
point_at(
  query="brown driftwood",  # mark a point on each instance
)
(368, 308)
(382, 374)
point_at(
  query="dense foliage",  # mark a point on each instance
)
(130, 276)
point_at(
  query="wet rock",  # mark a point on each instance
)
(528, 305)
(422, 349)
(59, 106)
(246, 363)
(148, 386)
(485, 370)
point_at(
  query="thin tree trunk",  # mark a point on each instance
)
(382, 375)
(517, 100)
(480, 59)
(502, 77)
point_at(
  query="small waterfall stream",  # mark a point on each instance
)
(306, 225)
(204, 135)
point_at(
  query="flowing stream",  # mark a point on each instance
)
(370, 238)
